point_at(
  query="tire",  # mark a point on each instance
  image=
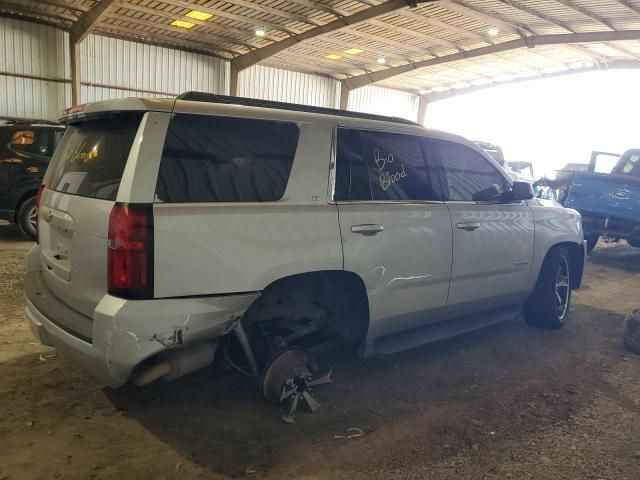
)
(26, 218)
(550, 303)
(632, 332)
(592, 241)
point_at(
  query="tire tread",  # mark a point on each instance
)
(539, 309)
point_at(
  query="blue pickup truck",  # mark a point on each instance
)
(609, 202)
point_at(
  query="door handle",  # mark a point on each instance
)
(468, 226)
(367, 229)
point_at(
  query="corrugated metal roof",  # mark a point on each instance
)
(402, 36)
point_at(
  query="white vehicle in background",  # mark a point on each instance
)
(523, 171)
(516, 174)
(176, 233)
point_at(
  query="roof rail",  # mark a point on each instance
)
(253, 102)
(13, 121)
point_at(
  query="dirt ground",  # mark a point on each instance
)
(508, 402)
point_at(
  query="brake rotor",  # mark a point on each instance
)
(290, 365)
(289, 377)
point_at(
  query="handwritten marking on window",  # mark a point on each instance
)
(80, 154)
(387, 178)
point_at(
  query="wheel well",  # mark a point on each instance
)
(576, 255)
(21, 199)
(340, 294)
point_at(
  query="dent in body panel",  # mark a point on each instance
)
(406, 267)
(128, 332)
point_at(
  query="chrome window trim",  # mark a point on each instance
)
(382, 130)
(332, 166)
(390, 202)
(470, 202)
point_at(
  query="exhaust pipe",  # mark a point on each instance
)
(178, 363)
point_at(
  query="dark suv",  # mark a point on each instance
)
(25, 152)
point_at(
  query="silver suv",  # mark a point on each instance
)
(173, 233)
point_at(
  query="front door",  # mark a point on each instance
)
(396, 233)
(492, 240)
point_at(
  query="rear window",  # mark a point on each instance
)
(92, 155)
(225, 159)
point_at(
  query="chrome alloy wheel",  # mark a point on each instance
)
(562, 290)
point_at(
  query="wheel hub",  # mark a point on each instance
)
(289, 378)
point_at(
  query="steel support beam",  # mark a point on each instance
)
(260, 54)
(74, 55)
(233, 80)
(89, 20)
(79, 32)
(528, 42)
(344, 96)
(422, 109)
(614, 65)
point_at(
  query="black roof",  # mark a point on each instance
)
(253, 102)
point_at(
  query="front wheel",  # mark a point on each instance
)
(27, 218)
(549, 304)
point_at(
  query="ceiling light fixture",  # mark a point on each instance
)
(198, 15)
(333, 56)
(182, 24)
(260, 32)
(382, 60)
(493, 32)
(353, 51)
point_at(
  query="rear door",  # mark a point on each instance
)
(492, 240)
(81, 187)
(239, 201)
(396, 231)
(9, 163)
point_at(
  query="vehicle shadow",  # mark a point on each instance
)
(509, 379)
(11, 233)
(623, 257)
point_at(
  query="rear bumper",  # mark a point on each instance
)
(126, 332)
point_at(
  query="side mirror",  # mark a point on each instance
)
(519, 191)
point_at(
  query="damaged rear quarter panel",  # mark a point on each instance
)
(129, 331)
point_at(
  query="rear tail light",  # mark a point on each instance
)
(38, 198)
(130, 251)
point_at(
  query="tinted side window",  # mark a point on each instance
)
(470, 176)
(381, 166)
(225, 159)
(34, 140)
